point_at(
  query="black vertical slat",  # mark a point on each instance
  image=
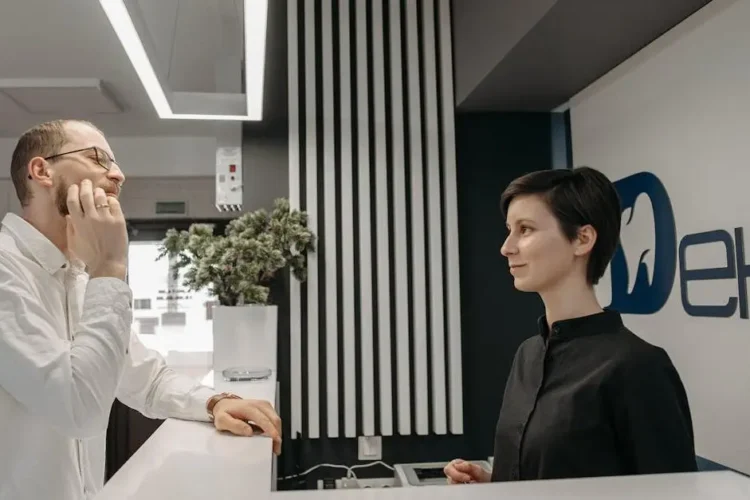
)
(303, 205)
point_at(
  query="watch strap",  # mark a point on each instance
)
(215, 399)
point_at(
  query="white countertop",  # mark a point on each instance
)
(191, 460)
(723, 485)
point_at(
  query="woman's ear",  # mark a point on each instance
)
(585, 240)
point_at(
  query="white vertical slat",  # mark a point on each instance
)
(311, 206)
(397, 166)
(382, 229)
(434, 204)
(418, 255)
(295, 309)
(329, 200)
(450, 209)
(365, 237)
(347, 224)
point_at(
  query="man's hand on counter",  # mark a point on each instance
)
(241, 416)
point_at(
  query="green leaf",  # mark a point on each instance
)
(239, 265)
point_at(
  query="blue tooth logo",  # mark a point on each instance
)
(642, 278)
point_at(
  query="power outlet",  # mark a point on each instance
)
(362, 483)
(370, 448)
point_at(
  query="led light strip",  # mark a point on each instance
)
(255, 27)
(256, 22)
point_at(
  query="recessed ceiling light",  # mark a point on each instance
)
(255, 28)
(256, 22)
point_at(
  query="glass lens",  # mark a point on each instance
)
(103, 158)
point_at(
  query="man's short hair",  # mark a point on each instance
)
(577, 197)
(43, 140)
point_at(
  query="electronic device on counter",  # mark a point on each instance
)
(245, 374)
(426, 473)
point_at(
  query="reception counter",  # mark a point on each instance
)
(190, 460)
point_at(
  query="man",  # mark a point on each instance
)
(66, 348)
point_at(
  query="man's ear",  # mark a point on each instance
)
(39, 171)
(585, 240)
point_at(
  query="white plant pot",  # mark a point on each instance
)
(244, 336)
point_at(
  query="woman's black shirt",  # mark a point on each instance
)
(590, 398)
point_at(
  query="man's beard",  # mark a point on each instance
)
(61, 198)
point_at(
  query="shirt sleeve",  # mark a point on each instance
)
(653, 420)
(155, 390)
(70, 385)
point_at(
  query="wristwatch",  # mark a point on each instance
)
(215, 399)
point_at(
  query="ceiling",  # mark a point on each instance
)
(62, 59)
(534, 55)
(190, 37)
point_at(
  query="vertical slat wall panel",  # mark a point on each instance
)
(330, 298)
(347, 223)
(311, 206)
(435, 212)
(397, 165)
(418, 253)
(366, 305)
(295, 307)
(382, 229)
(450, 211)
(371, 117)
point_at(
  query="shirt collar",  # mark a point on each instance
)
(34, 244)
(606, 321)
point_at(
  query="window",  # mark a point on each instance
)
(167, 317)
(142, 304)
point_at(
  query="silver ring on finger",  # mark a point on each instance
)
(102, 205)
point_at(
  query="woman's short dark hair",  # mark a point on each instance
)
(577, 197)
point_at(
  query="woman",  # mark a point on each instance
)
(585, 397)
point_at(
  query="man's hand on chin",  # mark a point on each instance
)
(235, 416)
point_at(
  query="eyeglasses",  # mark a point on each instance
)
(101, 156)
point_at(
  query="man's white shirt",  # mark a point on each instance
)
(66, 352)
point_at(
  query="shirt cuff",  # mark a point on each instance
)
(200, 398)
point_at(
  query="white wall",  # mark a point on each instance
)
(680, 109)
(157, 169)
(148, 156)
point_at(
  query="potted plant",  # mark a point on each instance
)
(238, 267)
